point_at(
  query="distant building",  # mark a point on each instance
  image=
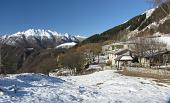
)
(115, 46)
(122, 53)
(117, 52)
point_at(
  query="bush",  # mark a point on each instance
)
(109, 63)
(73, 60)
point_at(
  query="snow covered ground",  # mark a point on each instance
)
(100, 87)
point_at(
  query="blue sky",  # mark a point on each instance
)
(85, 17)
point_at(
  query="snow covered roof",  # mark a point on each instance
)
(124, 58)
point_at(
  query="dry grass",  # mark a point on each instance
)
(155, 77)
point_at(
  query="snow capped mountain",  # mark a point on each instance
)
(42, 38)
(32, 32)
(39, 33)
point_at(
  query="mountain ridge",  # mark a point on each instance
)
(148, 23)
(35, 36)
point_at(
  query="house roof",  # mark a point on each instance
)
(111, 52)
(121, 52)
(124, 58)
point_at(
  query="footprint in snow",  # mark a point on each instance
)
(82, 89)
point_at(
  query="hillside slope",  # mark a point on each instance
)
(32, 50)
(148, 23)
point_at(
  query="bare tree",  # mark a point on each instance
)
(147, 47)
(90, 51)
(165, 58)
(73, 60)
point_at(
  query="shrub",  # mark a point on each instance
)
(109, 63)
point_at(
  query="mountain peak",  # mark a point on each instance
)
(40, 37)
(37, 32)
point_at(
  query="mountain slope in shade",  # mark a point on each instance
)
(39, 38)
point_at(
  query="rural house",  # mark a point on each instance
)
(156, 59)
(123, 57)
